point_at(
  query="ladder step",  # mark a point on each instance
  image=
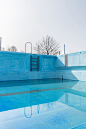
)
(34, 61)
(34, 64)
(34, 68)
(34, 58)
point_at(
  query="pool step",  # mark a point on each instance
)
(34, 63)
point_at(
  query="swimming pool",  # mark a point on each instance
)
(42, 104)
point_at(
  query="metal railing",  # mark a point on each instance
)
(31, 46)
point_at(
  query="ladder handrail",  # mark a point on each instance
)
(31, 46)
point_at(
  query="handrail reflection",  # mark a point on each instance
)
(25, 113)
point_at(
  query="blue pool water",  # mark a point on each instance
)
(43, 104)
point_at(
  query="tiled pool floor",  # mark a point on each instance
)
(42, 104)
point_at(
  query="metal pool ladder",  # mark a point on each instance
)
(34, 63)
(31, 46)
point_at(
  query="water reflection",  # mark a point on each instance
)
(68, 99)
(42, 108)
(28, 109)
(68, 94)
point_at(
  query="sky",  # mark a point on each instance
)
(24, 21)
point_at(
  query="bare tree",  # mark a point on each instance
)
(12, 48)
(47, 46)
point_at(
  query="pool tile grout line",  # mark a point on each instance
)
(33, 91)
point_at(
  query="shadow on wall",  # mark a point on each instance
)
(76, 69)
(63, 72)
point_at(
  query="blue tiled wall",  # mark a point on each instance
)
(16, 66)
